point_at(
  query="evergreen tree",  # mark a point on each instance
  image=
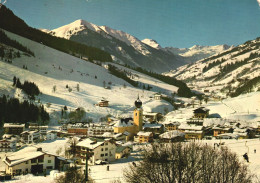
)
(18, 83)
(14, 81)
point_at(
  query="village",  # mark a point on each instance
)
(102, 143)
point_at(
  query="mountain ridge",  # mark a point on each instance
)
(124, 48)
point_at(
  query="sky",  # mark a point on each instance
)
(175, 23)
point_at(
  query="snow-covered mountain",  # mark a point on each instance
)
(152, 43)
(127, 49)
(237, 67)
(197, 52)
(51, 69)
(124, 48)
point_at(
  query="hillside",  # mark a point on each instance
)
(50, 68)
(234, 71)
(18, 26)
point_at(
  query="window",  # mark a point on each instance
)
(49, 161)
(102, 149)
(106, 143)
(106, 154)
(33, 160)
(101, 155)
(106, 149)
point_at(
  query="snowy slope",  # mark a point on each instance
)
(244, 108)
(243, 62)
(51, 68)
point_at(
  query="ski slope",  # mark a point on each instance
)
(51, 68)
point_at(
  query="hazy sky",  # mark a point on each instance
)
(177, 23)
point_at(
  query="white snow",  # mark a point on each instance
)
(51, 68)
(152, 43)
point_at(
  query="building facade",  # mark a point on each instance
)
(96, 149)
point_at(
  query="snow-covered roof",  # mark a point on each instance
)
(172, 134)
(190, 127)
(193, 131)
(151, 125)
(157, 106)
(91, 143)
(30, 132)
(150, 113)
(171, 122)
(124, 122)
(14, 125)
(232, 135)
(142, 133)
(23, 155)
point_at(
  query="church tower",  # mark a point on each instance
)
(138, 115)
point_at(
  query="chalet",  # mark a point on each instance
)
(99, 130)
(242, 133)
(170, 125)
(201, 112)
(227, 136)
(192, 131)
(96, 149)
(41, 129)
(155, 128)
(152, 116)
(32, 160)
(157, 96)
(103, 103)
(51, 135)
(123, 151)
(29, 137)
(143, 137)
(7, 145)
(14, 128)
(172, 136)
(78, 128)
(195, 121)
(220, 130)
(117, 136)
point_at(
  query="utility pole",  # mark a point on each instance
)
(86, 170)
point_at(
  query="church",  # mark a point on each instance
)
(131, 125)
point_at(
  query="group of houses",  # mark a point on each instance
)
(105, 141)
(15, 135)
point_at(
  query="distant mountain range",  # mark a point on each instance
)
(234, 71)
(127, 49)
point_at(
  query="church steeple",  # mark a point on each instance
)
(138, 114)
(138, 102)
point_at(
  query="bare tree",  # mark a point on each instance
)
(188, 162)
(72, 175)
(54, 89)
(72, 150)
(77, 87)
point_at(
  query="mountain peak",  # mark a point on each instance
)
(152, 43)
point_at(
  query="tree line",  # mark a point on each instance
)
(7, 41)
(247, 87)
(30, 88)
(14, 111)
(213, 64)
(183, 91)
(18, 26)
(121, 74)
